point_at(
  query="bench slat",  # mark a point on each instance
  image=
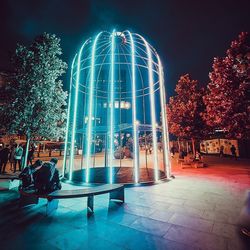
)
(9, 178)
(63, 194)
(76, 193)
(116, 193)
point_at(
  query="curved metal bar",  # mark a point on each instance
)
(111, 132)
(150, 46)
(152, 109)
(75, 111)
(155, 90)
(134, 112)
(68, 117)
(90, 110)
(121, 63)
(103, 43)
(165, 136)
(136, 56)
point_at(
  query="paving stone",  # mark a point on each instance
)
(196, 238)
(137, 210)
(191, 222)
(186, 210)
(151, 226)
(161, 215)
(226, 230)
(81, 239)
(125, 219)
(198, 209)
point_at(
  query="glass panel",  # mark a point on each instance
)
(99, 151)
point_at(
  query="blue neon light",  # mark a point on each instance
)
(164, 119)
(90, 110)
(152, 108)
(72, 150)
(111, 132)
(144, 66)
(135, 131)
(68, 117)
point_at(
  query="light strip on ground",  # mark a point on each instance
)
(164, 119)
(135, 134)
(111, 140)
(68, 117)
(152, 108)
(75, 111)
(90, 109)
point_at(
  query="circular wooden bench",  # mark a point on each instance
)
(116, 193)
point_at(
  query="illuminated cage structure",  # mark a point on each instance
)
(117, 125)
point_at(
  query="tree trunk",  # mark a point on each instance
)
(27, 149)
(39, 149)
(193, 146)
(179, 146)
(187, 147)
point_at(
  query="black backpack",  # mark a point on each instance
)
(26, 177)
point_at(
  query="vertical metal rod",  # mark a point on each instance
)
(72, 150)
(152, 108)
(90, 109)
(111, 132)
(167, 162)
(68, 117)
(134, 115)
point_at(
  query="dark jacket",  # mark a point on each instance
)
(31, 154)
(27, 176)
(46, 179)
(5, 154)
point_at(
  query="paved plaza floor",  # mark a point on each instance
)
(199, 209)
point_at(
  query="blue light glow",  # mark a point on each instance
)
(111, 101)
(68, 117)
(72, 150)
(116, 97)
(90, 109)
(135, 132)
(152, 108)
(164, 119)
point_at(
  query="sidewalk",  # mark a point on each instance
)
(199, 209)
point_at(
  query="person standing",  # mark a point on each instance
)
(221, 151)
(23, 163)
(4, 159)
(150, 148)
(11, 157)
(31, 155)
(17, 157)
(1, 149)
(172, 151)
(159, 144)
(233, 151)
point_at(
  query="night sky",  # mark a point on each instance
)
(187, 34)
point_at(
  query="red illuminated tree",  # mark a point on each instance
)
(184, 110)
(228, 93)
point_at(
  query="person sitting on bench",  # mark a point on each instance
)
(197, 156)
(26, 175)
(46, 179)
